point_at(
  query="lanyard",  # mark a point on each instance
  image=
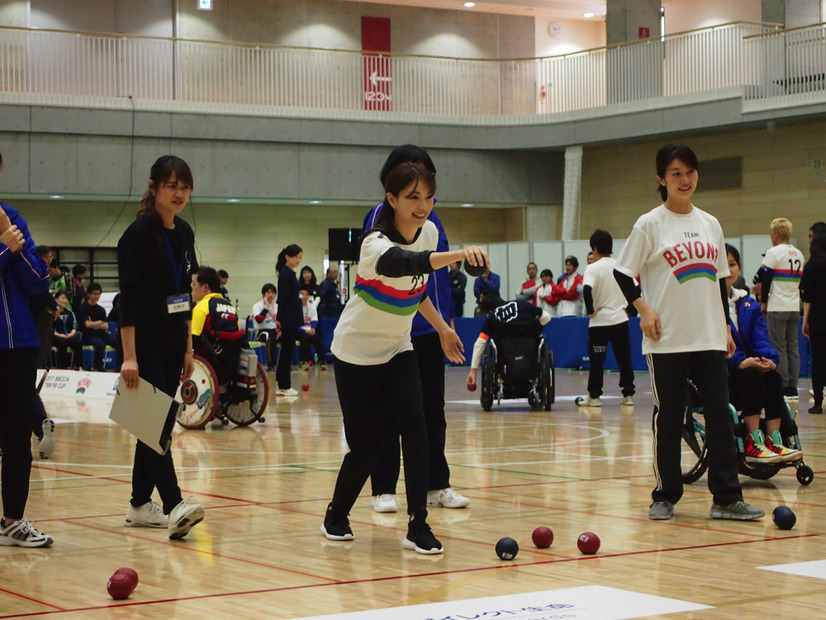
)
(177, 269)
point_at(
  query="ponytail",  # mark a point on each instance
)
(290, 250)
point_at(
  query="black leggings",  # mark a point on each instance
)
(364, 393)
(669, 372)
(18, 369)
(817, 340)
(431, 361)
(285, 359)
(161, 365)
(598, 339)
(751, 391)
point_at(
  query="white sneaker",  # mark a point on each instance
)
(446, 498)
(287, 392)
(184, 517)
(46, 447)
(148, 515)
(587, 401)
(22, 533)
(627, 401)
(385, 502)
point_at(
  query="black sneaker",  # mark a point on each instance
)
(420, 539)
(336, 527)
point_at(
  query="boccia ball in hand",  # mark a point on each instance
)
(121, 585)
(305, 386)
(542, 537)
(474, 271)
(471, 386)
(507, 548)
(588, 543)
(784, 518)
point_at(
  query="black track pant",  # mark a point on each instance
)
(385, 474)
(161, 365)
(18, 369)
(598, 339)
(365, 393)
(669, 372)
(817, 340)
(285, 359)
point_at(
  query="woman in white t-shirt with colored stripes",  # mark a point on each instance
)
(679, 253)
(374, 359)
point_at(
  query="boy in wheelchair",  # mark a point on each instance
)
(754, 383)
(216, 335)
(516, 329)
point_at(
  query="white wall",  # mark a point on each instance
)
(568, 36)
(681, 15)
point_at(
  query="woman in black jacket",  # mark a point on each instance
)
(290, 314)
(156, 257)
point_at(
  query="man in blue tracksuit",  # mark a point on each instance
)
(431, 359)
(22, 274)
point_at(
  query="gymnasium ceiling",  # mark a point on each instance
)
(555, 9)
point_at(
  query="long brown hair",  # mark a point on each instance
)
(161, 171)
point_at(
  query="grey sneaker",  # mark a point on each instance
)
(587, 401)
(739, 511)
(627, 401)
(661, 511)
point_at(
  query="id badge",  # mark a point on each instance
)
(177, 303)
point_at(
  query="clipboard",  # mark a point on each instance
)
(146, 412)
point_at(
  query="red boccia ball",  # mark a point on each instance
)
(121, 585)
(129, 571)
(471, 387)
(588, 543)
(542, 537)
(305, 386)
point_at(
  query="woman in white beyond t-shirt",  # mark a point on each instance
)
(679, 252)
(374, 359)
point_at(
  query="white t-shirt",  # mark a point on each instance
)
(606, 293)
(680, 259)
(269, 320)
(545, 290)
(375, 324)
(787, 263)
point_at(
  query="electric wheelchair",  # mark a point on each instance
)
(694, 433)
(517, 363)
(227, 385)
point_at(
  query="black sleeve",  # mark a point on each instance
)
(628, 286)
(724, 297)
(130, 275)
(588, 296)
(395, 263)
(766, 277)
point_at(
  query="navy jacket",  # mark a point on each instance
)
(752, 339)
(438, 284)
(21, 275)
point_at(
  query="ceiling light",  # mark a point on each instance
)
(469, 5)
(56, 197)
(587, 15)
(233, 200)
(315, 202)
(466, 204)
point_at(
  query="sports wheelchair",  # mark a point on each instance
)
(517, 363)
(694, 436)
(228, 387)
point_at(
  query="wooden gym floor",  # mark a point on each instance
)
(259, 553)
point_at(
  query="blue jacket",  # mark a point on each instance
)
(438, 284)
(491, 285)
(21, 275)
(752, 338)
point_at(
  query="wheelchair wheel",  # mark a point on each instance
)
(694, 436)
(488, 378)
(548, 379)
(199, 395)
(805, 475)
(246, 412)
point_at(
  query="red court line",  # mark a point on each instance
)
(505, 566)
(33, 600)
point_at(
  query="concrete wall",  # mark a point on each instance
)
(681, 16)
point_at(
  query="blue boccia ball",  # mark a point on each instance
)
(784, 518)
(507, 548)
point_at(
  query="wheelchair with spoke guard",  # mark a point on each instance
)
(694, 436)
(224, 389)
(516, 364)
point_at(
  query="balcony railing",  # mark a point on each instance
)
(59, 66)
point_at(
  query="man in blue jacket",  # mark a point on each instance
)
(428, 349)
(22, 274)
